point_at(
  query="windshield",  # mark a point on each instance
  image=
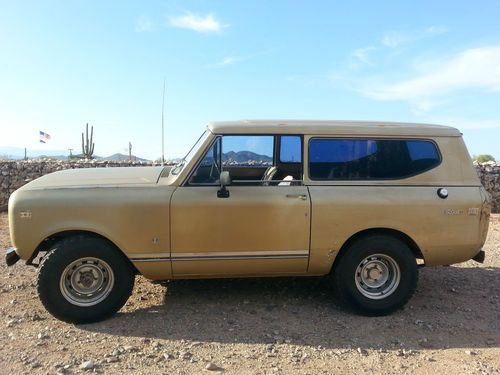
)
(178, 167)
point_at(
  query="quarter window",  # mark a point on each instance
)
(209, 168)
(290, 149)
(365, 159)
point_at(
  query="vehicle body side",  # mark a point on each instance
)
(156, 221)
(443, 230)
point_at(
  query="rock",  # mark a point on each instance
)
(35, 364)
(10, 323)
(87, 365)
(185, 355)
(112, 359)
(168, 356)
(212, 367)
(362, 351)
(36, 317)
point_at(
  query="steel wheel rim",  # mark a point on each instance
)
(377, 276)
(86, 281)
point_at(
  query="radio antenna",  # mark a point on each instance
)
(163, 126)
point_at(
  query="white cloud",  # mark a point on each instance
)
(229, 60)
(475, 68)
(395, 39)
(201, 24)
(143, 24)
(363, 54)
(360, 57)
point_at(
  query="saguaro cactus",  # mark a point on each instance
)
(88, 144)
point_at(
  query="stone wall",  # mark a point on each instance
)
(489, 173)
(14, 174)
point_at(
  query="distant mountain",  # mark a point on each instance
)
(122, 157)
(245, 156)
(17, 153)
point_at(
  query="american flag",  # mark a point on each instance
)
(44, 137)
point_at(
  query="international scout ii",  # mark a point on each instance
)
(365, 203)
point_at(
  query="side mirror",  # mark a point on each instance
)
(225, 180)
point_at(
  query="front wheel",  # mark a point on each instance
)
(84, 279)
(375, 275)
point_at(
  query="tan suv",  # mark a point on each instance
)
(364, 203)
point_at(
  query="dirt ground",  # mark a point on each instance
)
(261, 326)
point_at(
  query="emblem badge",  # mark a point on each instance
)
(25, 214)
(473, 211)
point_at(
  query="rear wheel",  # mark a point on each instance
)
(375, 275)
(84, 279)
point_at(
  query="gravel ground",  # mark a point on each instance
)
(261, 326)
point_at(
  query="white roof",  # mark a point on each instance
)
(377, 128)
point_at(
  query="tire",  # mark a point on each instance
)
(375, 275)
(84, 279)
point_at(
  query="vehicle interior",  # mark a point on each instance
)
(256, 160)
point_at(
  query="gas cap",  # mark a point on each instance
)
(442, 193)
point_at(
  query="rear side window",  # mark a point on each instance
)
(367, 159)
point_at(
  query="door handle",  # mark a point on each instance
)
(301, 196)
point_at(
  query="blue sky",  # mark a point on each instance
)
(66, 63)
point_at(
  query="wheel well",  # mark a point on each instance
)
(381, 231)
(50, 241)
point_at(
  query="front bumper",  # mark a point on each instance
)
(11, 256)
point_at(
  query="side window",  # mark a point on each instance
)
(247, 150)
(248, 158)
(364, 159)
(421, 150)
(290, 149)
(209, 168)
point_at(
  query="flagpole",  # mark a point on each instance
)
(163, 126)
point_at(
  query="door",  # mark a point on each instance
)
(262, 228)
